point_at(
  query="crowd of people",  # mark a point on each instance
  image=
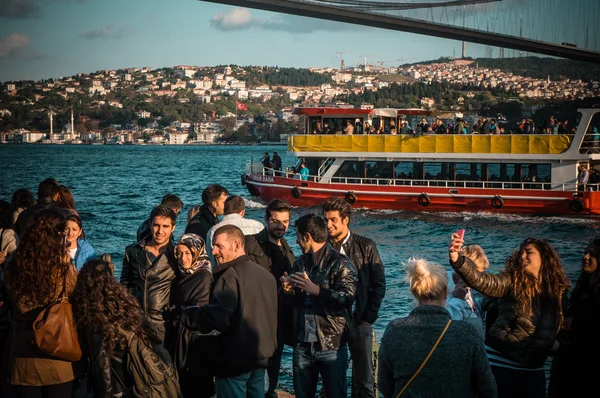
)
(209, 313)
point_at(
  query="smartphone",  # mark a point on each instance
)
(461, 233)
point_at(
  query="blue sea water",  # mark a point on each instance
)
(116, 187)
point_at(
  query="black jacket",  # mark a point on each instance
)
(263, 252)
(106, 374)
(26, 217)
(243, 307)
(370, 288)
(189, 349)
(336, 277)
(201, 222)
(523, 338)
(150, 282)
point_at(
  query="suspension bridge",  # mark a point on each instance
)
(547, 27)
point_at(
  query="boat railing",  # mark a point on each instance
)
(259, 169)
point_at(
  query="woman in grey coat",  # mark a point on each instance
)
(458, 367)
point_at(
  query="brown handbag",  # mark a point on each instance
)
(55, 332)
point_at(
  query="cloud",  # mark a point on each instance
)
(242, 19)
(109, 32)
(13, 45)
(235, 19)
(19, 9)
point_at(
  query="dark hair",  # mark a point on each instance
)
(40, 262)
(172, 201)
(232, 232)
(335, 203)
(22, 199)
(66, 199)
(313, 225)
(48, 188)
(277, 205)
(104, 306)
(234, 205)
(5, 215)
(163, 211)
(77, 220)
(212, 193)
(553, 280)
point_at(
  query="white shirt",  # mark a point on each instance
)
(248, 227)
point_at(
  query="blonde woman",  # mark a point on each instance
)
(457, 367)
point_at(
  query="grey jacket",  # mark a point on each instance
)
(457, 368)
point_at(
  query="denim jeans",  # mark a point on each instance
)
(309, 361)
(360, 342)
(247, 385)
(514, 383)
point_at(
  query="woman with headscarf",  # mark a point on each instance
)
(191, 287)
(575, 369)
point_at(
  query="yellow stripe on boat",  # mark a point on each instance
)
(492, 144)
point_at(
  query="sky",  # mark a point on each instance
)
(42, 39)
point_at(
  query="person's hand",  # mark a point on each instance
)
(454, 247)
(2, 256)
(301, 280)
(286, 284)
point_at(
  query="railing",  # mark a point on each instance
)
(571, 187)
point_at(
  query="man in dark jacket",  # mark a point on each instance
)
(243, 307)
(321, 288)
(276, 162)
(213, 199)
(270, 250)
(370, 291)
(149, 268)
(47, 196)
(169, 200)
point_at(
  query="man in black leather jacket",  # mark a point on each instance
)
(213, 199)
(322, 288)
(149, 268)
(370, 291)
(270, 250)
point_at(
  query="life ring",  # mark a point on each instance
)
(497, 202)
(424, 200)
(350, 197)
(244, 178)
(577, 205)
(296, 193)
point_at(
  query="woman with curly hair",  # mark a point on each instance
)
(524, 313)
(108, 313)
(39, 276)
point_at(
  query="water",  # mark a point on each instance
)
(116, 187)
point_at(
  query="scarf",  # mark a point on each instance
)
(199, 256)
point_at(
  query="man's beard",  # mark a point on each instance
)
(276, 233)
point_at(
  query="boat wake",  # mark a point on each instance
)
(254, 205)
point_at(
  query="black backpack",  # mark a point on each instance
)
(150, 369)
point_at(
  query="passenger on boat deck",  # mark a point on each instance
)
(266, 160)
(367, 128)
(349, 129)
(317, 129)
(303, 171)
(326, 128)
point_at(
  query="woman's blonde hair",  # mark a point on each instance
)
(427, 280)
(192, 212)
(476, 254)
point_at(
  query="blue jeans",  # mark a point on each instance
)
(247, 385)
(309, 361)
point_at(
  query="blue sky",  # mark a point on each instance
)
(49, 38)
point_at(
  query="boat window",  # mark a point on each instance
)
(433, 171)
(337, 124)
(404, 170)
(315, 125)
(350, 168)
(591, 139)
(468, 172)
(378, 169)
(536, 172)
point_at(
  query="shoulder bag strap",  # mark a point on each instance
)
(426, 359)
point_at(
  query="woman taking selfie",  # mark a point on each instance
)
(524, 313)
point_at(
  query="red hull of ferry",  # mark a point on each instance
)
(440, 199)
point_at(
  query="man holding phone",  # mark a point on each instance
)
(321, 288)
(370, 291)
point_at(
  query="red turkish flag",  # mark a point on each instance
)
(240, 106)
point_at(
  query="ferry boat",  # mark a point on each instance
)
(500, 173)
